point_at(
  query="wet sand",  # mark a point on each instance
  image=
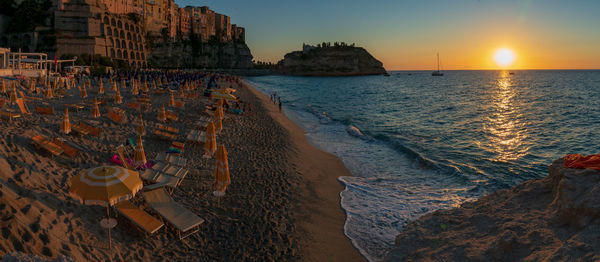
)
(282, 204)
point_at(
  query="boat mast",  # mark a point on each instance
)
(438, 60)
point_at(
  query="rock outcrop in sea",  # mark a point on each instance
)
(556, 218)
(330, 61)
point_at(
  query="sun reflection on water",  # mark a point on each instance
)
(504, 128)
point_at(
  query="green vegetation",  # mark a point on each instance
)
(98, 63)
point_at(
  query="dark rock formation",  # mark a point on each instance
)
(556, 218)
(185, 55)
(330, 61)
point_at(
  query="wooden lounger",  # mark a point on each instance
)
(139, 217)
(94, 131)
(196, 136)
(8, 115)
(174, 160)
(165, 135)
(44, 110)
(68, 150)
(167, 128)
(171, 115)
(180, 217)
(133, 105)
(115, 117)
(43, 143)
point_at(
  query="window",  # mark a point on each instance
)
(112, 52)
(113, 22)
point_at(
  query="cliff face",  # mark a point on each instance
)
(330, 61)
(556, 218)
(181, 55)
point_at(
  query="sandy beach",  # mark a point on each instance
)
(282, 204)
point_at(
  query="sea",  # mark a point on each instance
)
(416, 143)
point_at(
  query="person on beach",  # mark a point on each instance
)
(280, 105)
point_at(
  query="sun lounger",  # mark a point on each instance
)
(171, 159)
(8, 115)
(94, 131)
(68, 150)
(172, 116)
(196, 136)
(115, 117)
(180, 217)
(77, 107)
(79, 130)
(23, 106)
(121, 154)
(167, 128)
(165, 135)
(44, 110)
(1, 103)
(45, 144)
(133, 105)
(139, 217)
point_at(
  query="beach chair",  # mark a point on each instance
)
(167, 128)
(121, 154)
(44, 110)
(9, 116)
(165, 135)
(171, 159)
(133, 105)
(139, 217)
(23, 106)
(68, 150)
(1, 103)
(115, 117)
(180, 217)
(94, 131)
(196, 136)
(171, 116)
(79, 130)
(42, 142)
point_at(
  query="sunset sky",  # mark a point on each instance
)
(405, 35)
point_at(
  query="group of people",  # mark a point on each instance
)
(276, 100)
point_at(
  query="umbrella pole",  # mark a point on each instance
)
(109, 238)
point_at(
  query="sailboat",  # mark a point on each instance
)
(438, 72)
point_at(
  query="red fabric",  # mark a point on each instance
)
(580, 161)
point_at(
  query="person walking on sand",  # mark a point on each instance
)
(279, 104)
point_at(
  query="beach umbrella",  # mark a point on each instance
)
(218, 125)
(105, 186)
(13, 94)
(95, 109)
(83, 91)
(115, 88)
(3, 87)
(139, 157)
(210, 146)
(222, 179)
(32, 87)
(49, 94)
(134, 89)
(145, 86)
(118, 97)
(65, 128)
(171, 98)
(162, 113)
(219, 95)
(101, 88)
(140, 129)
(181, 93)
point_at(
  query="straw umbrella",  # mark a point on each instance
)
(139, 157)
(83, 91)
(49, 94)
(118, 97)
(218, 125)
(134, 89)
(162, 113)
(115, 88)
(95, 109)
(222, 179)
(105, 186)
(181, 93)
(65, 128)
(210, 146)
(172, 98)
(13, 94)
(101, 88)
(32, 87)
(140, 130)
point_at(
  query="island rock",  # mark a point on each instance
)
(338, 60)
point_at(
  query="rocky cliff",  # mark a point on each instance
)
(184, 55)
(330, 61)
(556, 218)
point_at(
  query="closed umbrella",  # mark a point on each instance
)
(139, 157)
(65, 128)
(162, 113)
(218, 124)
(171, 98)
(95, 109)
(101, 88)
(222, 179)
(140, 129)
(83, 91)
(210, 146)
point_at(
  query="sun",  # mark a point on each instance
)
(504, 57)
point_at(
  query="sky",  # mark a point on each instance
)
(407, 34)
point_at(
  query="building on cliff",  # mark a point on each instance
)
(86, 27)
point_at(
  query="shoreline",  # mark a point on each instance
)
(321, 215)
